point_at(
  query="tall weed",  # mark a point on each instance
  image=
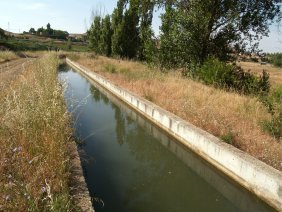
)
(34, 130)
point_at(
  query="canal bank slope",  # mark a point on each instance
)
(257, 177)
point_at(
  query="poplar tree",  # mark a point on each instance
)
(130, 30)
(106, 36)
(95, 33)
(117, 26)
(147, 48)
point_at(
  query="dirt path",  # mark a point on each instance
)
(10, 70)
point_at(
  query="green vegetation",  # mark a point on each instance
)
(49, 32)
(228, 138)
(274, 104)
(191, 34)
(127, 33)
(69, 44)
(276, 59)
(2, 34)
(110, 68)
(201, 38)
(232, 77)
(43, 39)
(34, 134)
(106, 36)
(37, 44)
(193, 31)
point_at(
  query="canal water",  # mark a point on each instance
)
(131, 165)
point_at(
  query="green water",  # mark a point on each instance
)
(130, 165)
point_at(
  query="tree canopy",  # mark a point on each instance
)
(191, 30)
(194, 30)
(130, 30)
(2, 34)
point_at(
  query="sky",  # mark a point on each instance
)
(74, 16)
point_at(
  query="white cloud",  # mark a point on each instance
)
(33, 6)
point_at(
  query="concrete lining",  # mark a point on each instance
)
(256, 176)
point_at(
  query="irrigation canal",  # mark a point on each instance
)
(131, 165)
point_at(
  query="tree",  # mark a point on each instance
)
(130, 31)
(194, 30)
(49, 30)
(40, 31)
(146, 32)
(117, 26)
(169, 55)
(69, 44)
(59, 34)
(2, 34)
(94, 34)
(32, 31)
(106, 36)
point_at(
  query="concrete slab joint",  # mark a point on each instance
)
(256, 176)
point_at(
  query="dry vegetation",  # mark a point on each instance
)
(34, 128)
(235, 118)
(275, 73)
(7, 56)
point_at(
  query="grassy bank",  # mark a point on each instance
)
(34, 130)
(7, 56)
(235, 118)
(37, 44)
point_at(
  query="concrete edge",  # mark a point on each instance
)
(256, 176)
(78, 187)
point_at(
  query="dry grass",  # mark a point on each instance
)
(275, 73)
(34, 128)
(233, 117)
(7, 56)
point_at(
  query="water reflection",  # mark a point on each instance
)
(136, 167)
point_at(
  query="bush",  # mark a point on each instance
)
(110, 68)
(276, 59)
(232, 77)
(274, 104)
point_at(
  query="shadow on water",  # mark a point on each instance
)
(131, 165)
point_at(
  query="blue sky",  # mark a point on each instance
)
(74, 17)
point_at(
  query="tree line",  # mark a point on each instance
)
(127, 32)
(49, 32)
(191, 32)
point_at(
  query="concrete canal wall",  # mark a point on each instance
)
(259, 178)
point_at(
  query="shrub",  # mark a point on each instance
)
(274, 104)
(228, 138)
(276, 59)
(232, 77)
(110, 68)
